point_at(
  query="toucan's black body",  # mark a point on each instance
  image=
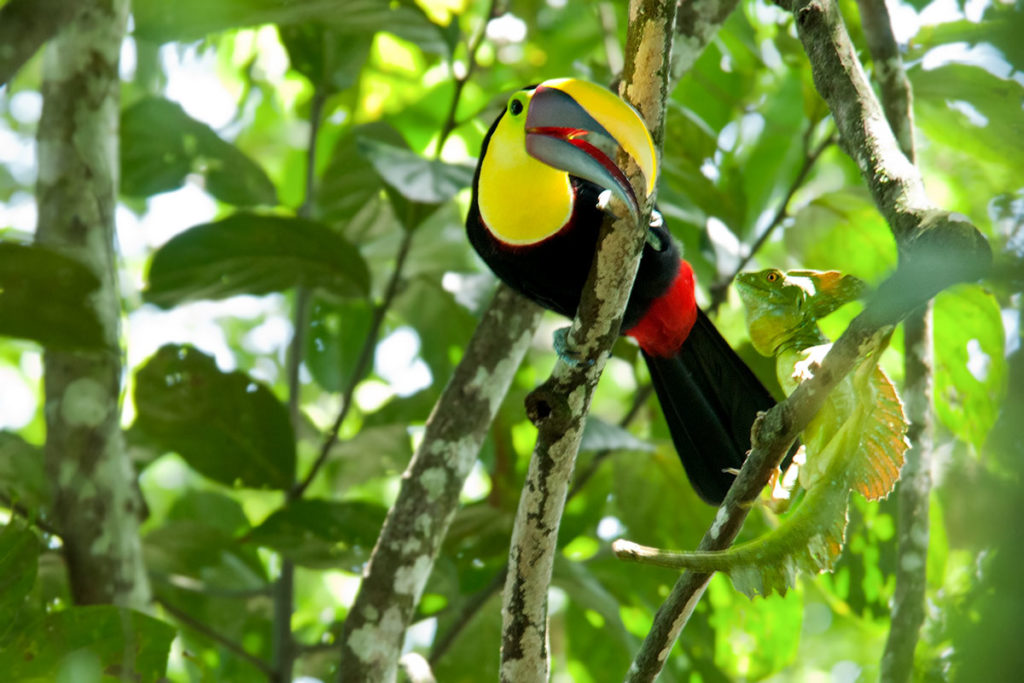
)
(709, 396)
(553, 272)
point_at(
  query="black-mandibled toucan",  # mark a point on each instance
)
(534, 219)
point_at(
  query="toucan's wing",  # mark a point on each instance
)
(710, 399)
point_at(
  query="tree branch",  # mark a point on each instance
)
(697, 22)
(96, 505)
(927, 238)
(480, 598)
(25, 25)
(416, 525)
(908, 609)
(558, 407)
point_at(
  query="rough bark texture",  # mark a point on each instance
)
(97, 506)
(912, 495)
(889, 73)
(697, 22)
(415, 527)
(25, 25)
(927, 237)
(914, 489)
(558, 408)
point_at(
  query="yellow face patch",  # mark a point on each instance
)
(522, 200)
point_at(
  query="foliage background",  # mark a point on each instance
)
(217, 102)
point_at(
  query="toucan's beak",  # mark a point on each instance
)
(580, 128)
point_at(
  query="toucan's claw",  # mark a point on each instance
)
(569, 356)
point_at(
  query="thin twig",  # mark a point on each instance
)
(284, 588)
(217, 637)
(460, 80)
(362, 364)
(381, 310)
(29, 516)
(719, 290)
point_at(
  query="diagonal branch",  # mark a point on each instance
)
(937, 249)
(429, 495)
(908, 609)
(558, 407)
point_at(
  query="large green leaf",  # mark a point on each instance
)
(337, 334)
(22, 472)
(599, 435)
(349, 183)
(1000, 26)
(331, 61)
(427, 181)
(225, 425)
(86, 643)
(995, 130)
(193, 19)
(323, 533)
(19, 561)
(970, 366)
(201, 551)
(252, 254)
(46, 296)
(161, 145)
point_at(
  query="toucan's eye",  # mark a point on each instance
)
(515, 107)
(772, 276)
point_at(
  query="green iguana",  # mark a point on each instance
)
(855, 442)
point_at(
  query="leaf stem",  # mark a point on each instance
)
(217, 637)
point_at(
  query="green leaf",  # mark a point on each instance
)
(226, 426)
(201, 551)
(23, 473)
(161, 145)
(323, 533)
(193, 19)
(330, 61)
(337, 333)
(46, 296)
(599, 435)
(427, 181)
(999, 26)
(349, 182)
(213, 508)
(109, 640)
(970, 364)
(997, 137)
(252, 254)
(442, 325)
(19, 561)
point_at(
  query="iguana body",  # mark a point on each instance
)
(856, 441)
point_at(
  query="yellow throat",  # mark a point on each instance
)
(522, 200)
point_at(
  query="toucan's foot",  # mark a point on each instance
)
(568, 356)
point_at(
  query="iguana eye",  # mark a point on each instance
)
(772, 276)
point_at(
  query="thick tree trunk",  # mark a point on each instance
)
(97, 507)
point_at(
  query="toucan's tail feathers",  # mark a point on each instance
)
(710, 399)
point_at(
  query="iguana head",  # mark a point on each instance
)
(782, 307)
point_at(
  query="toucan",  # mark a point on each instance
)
(536, 209)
